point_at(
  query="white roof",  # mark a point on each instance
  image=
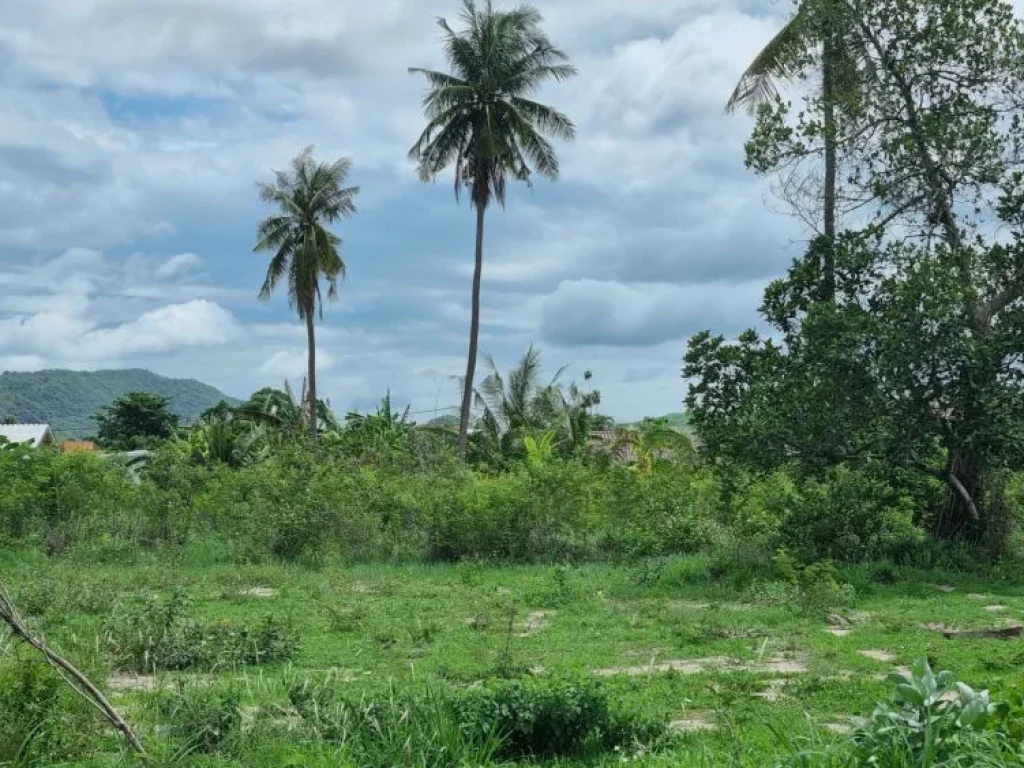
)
(34, 434)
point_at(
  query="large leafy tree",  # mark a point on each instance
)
(309, 198)
(136, 420)
(917, 365)
(482, 121)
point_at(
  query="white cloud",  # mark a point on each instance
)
(293, 363)
(178, 265)
(596, 313)
(153, 144)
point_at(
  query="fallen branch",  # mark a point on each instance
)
(997, 633)
(78, 682)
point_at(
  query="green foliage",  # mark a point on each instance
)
(838, 384)
(157, 634)
(136, 420)
(41, 723)
(203, 718)
(548, 717)
(932, 720)
(385, 434)
(480, 116)
(503, 719)
(524, 418)
(309, 198)
(393, 727)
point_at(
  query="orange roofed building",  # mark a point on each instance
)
(79, 446)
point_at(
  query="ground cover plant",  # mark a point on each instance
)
(666, 661)
(819, 565)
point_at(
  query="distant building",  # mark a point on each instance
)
(79, 446)
(33, 435)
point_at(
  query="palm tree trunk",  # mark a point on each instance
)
(474, 334)
(829, 92)
(311, 375)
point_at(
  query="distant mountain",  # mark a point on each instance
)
(448, 420)
(68, 400)
(678, 421)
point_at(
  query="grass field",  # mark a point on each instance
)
(731, 661)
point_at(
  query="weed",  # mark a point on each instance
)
(202, 718)
(155, 634)
(345, 620)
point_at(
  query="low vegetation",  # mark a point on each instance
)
(819, 565)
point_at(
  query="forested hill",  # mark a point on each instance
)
(68, 400)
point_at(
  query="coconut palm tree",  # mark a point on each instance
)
(481, 120)
(310, 198)
(818, 29)
(518, 404)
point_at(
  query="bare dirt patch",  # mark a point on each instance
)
(263, 593)
(995, 608)
(129, 682)
(535, 622)
(775, 691)
(776, 665)
(845, 725)
(842, 624)
(694, 722)
(877, 655)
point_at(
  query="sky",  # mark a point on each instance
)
(132, 135)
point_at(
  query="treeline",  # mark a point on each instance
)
(895, 342)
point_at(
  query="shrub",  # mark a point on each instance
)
(507, 719)
(392, 728)
(156, 634)
(203, 718)
(551, 717)
(850, 516)
(41, 721)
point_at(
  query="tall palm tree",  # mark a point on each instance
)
(481, 121)
(821, 25)
(309, 198)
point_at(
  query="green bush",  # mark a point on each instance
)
(391, 728)
(156, 634)
(201, 718)
(41, 720)
(505, 719)
(551, 717)
(849, 516)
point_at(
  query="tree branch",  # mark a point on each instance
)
(78, 682)
(953, 482)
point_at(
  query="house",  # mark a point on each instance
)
(33, 435)
(79, 446)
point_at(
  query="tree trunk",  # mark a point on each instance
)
(829, 94)
(474, 334)
(311, 376)
(959, 518)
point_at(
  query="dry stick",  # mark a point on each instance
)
(78, 682)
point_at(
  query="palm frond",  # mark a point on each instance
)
(776, 62)
(479, 121)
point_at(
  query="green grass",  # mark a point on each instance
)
(424, 628)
